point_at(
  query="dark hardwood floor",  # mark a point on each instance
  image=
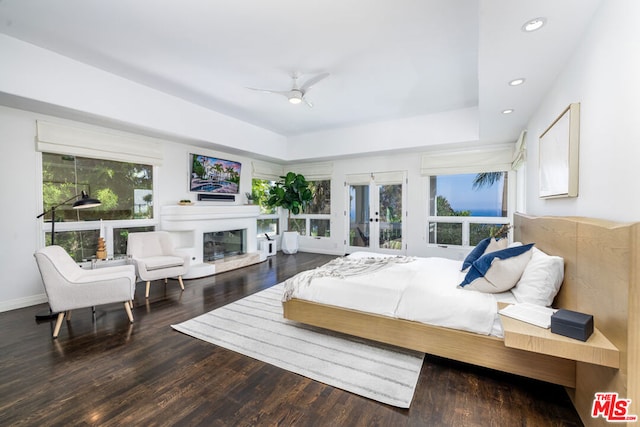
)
(110, 372)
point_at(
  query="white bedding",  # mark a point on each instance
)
(423, 290)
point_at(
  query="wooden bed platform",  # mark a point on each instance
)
(602, 277)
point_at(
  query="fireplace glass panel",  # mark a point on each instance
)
(220, 244)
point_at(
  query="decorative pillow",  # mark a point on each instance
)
(541, 279)
(498, 271)
(475, 253)
(484, 246)
(496, 245)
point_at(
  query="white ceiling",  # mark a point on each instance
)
(386, 59)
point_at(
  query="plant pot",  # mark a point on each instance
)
(289, 244)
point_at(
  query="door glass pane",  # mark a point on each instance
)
(390, 197)
(359, 215)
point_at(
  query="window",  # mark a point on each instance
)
(316, 219)
(125, 190)
(466, 208)
(269, 220)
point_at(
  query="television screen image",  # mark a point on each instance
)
(212, 175)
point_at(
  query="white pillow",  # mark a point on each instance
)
(541, 279)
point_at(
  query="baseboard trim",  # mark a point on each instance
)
(17, 303)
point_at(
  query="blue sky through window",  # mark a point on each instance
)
(458, 190)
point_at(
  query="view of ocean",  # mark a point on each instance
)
(486, 212)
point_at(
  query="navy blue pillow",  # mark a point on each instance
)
(476, 253)
(480, 267)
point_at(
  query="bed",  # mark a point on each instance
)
(601, 277)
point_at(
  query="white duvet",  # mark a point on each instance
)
(418, 289)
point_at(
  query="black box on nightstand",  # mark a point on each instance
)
(572, 324)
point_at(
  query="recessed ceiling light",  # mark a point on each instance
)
(534, 24)
(508, 111)
(516, 82)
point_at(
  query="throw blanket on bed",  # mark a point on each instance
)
(341, 268)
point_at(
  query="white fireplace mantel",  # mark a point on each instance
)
(187, 225)
(175, 214)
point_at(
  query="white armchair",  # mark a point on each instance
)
(155, 257)
(69, 287)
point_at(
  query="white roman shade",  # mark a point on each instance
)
(314, 171)
(520, 152)
(479, 159)
(380, 178)
(97, 143)
(266, 170)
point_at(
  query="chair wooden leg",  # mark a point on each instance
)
(56, 330)
(146, 294)
(68, 314)
(131, 303)
(127, 308)
(181, 282)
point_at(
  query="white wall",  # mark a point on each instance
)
(458, 126)
(20, 181)
(19, 164)
(603, 76)
(21, 283)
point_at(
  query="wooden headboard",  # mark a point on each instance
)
(602, 278)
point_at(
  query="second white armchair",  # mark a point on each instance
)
(155, 257)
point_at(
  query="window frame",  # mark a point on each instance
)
(466, 221)
(308, 217)
(275, 215)
(107, 225)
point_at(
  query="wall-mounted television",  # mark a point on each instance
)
(213, 175)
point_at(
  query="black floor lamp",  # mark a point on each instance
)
(83, 203)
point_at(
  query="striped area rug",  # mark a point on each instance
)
(254, 326)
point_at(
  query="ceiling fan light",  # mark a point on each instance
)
(295, 97)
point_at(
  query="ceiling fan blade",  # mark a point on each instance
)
(277, 92)
(306, 101)
(312, 81)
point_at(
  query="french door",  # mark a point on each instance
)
(375, 214)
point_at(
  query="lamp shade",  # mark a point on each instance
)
(86, 202)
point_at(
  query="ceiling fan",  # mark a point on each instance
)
(296, 94)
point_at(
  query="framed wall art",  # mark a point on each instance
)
(558, 155)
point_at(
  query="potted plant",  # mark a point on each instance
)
(292, 193)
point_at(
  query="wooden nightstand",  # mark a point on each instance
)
(597, 349)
